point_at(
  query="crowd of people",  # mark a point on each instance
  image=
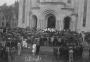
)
(13, 41)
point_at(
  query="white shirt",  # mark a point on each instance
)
(24, 43)
(34, 48)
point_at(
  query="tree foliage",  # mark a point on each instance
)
(10, 11)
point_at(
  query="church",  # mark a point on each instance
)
(57, 14)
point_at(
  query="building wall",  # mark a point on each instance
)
(80, 9)
(20, 20)
(13, 22)
(88, 16)
(60, 8)
(2, 20)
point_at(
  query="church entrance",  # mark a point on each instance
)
(34, 21)
(67, 21)
(51, 21)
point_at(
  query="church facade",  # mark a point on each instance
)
(58, 14)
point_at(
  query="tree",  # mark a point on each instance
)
(9, 12)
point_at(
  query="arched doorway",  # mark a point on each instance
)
(34, 17)
(67, 21)
(51, 21)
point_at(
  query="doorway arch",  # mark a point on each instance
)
(51, 21)
(67, 21)
(34, 17)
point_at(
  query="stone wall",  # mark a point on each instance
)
(74, 9)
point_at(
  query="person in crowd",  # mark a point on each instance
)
(55, 42)
(83, 35)
(59, 41)
(84, 43)
(37, 46)
(34, 49)
(19, 48)
(32, 39)
(24, 43)
(13, 51)
(8, 46)
(52, 40)
(47, 41)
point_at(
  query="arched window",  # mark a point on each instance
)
(67, 21)
(68, 1)
(51, 21)
(34, 21)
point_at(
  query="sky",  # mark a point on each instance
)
(8, 2)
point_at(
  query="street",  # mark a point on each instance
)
(26, 56)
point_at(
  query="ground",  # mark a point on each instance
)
(26, 56)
